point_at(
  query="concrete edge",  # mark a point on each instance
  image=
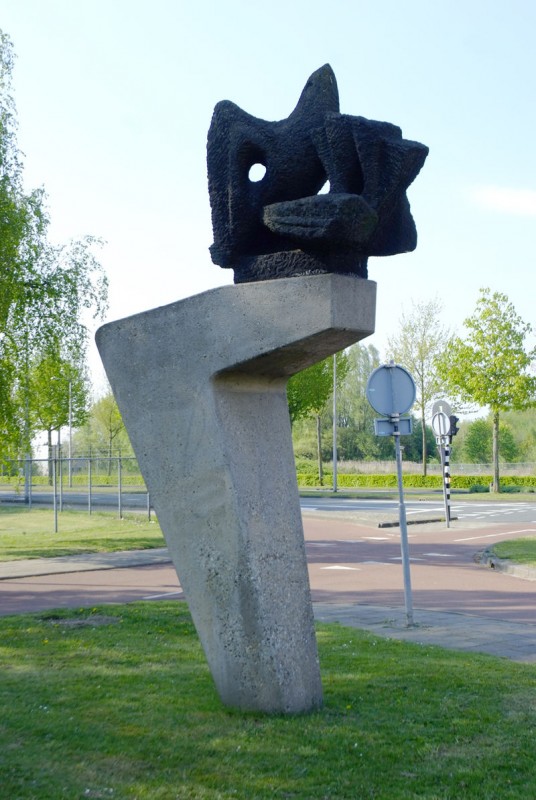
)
(488, 559)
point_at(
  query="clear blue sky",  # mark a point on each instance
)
(115, 99)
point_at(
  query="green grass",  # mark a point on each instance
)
(117, 702)
(30, 534)
(521, 551)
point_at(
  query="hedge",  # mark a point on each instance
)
(412, 481)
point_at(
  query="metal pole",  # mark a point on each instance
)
(28, 480)
(54, 488)
(444, 467)
(447, 481)
(335, 423)
(403, 526)
(119, 508)
(89, 485)
(60, 468)
(70, 434)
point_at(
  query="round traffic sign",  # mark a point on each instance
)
(391, 390)
(441, 405)
(441, 424)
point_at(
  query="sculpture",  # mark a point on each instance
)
(201, 383)
(280, 226)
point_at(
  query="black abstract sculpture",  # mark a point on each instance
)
(280, 226)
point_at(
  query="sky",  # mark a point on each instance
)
(115, 99)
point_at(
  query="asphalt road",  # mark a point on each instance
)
(465, 510)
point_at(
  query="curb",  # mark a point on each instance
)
(489, 559)
(396, 523)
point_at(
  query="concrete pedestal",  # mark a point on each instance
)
(201, 386)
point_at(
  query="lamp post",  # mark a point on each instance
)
(70, 451)
(335, 422)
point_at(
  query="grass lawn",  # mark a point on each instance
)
(30, 534)
(117, 702)
(520, 551)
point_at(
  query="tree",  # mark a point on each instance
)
(420, 340)
(523, 427)
(58, 393)
(357, 440)
(104, 430)
(490, 367)
(45, 290)
(309, 390)
(478, 442)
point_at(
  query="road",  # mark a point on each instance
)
(465, 510)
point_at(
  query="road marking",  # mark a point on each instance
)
(399, 558)
(339, 566)
(158, 596)
(439, 555)
(377, 538)
(495, 535)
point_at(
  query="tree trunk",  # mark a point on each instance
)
(319, 450)
(424, 454)
(496, 482)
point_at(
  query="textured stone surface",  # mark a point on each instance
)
(280, 226)
(201, 385)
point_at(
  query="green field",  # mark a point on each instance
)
(519, 551)
(30, 534)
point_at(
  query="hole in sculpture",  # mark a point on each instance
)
(325, 188)
(257, 172)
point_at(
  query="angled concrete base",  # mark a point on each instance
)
(201, 385)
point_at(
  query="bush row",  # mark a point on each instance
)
(78, 480)
(413, 481)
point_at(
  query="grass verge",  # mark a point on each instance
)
(117, 702)
(30, 534)
(521, 551)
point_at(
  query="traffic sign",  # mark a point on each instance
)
(391, 390)
(443, 406)
(441, 424)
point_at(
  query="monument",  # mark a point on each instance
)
(201, 383)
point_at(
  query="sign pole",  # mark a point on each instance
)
(404, 547)
(447, 481)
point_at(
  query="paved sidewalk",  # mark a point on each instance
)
(516, 641)
(513, 640)
(86, 562)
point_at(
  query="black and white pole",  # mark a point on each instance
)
(441, 428)
(446, 481)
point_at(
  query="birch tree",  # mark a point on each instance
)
(491, 366)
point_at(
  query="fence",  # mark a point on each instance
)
(90, 481)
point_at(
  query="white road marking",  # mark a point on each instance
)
(399, 558)
(376, 538)
(439, 555)
(158, 596)
(339, 566)
(495, 535)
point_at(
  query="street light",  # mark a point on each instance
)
(70, 434)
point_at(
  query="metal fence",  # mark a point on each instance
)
(90, 481)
